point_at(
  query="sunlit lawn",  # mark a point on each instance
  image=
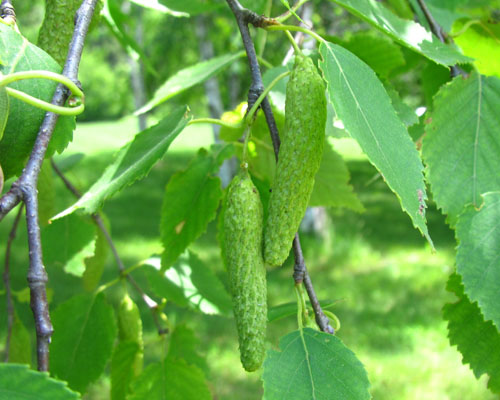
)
(389, 282)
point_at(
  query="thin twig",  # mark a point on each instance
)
(243, 18)
(455, 70)
(6, 281)
(150, 303)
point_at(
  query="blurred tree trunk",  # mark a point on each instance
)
(212, 91)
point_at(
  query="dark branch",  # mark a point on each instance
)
(243, 18)
(25, 189)
(7, 11)
(6, 281)
(151, 304)
(455, 70)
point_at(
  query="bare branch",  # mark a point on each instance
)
(6, 281)
(243, 18)
(7, 11)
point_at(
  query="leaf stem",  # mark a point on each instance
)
(214, 121)
(296, 29)
(33, 101)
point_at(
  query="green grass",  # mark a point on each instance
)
(390, 283)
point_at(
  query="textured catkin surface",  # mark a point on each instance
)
(242, 238)
(299, 158)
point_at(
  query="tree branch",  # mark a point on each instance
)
(7, 11)
(455, 70)
(150, 303)
(6, 281)
(244, 17)
(25, 189)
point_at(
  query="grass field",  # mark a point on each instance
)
(389, 282)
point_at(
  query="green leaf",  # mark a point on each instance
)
(478, 340)
(404, 32)
(157, 6)
(21, 383)
(313, 365)
(183, 344)
(20, 343)
(481, 42)
(67, 242)
(193, 7)
(405, 113)
(189, 204)
(132, 162)
(172, 380)
(380, 53)
(188, 77)
(364, 107)
(94, 265)
(4, 110)
(46, 193)
(478, 255)
(24, 120)
(331, 183)
(122, 370)
(462, 146)
(162, 286)
(84, 333)
(433, 77)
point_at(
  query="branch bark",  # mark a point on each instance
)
(244, 17)
(7, 11)
(25, 189)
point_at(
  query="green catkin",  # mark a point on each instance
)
(58, 25)
(299, 158)
(242, 245)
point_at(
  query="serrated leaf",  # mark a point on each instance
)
(84, 333)
(67, 242)
(407, 33)
(405, 113)
(478, 340)
(478, 255)
(172, 380)
(21, 383)
(122, 371)
(24, 120)
(164, 287)
(189, 204)
(331, 183)
(183, 344)
(318, 364)
(188, 77)
(132, 162)
(380, 53)
(20, 343)
(480, 41)
(433, 77)
(364, 107)
(462, 143)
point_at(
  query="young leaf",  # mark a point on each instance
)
(183, 344)
(190, 203)
(313, 365)
(404, 32)
(478, 234)
(84, 333)
(364, 107)
(20, 343)
(67, 242)
(17, 54)
(462, 147)
(21, 383)
(132, 162)
(173, 380)
(331, 183)
(478, 340)
(188, 77)
(122, 371)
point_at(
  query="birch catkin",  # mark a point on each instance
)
(299, 158)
